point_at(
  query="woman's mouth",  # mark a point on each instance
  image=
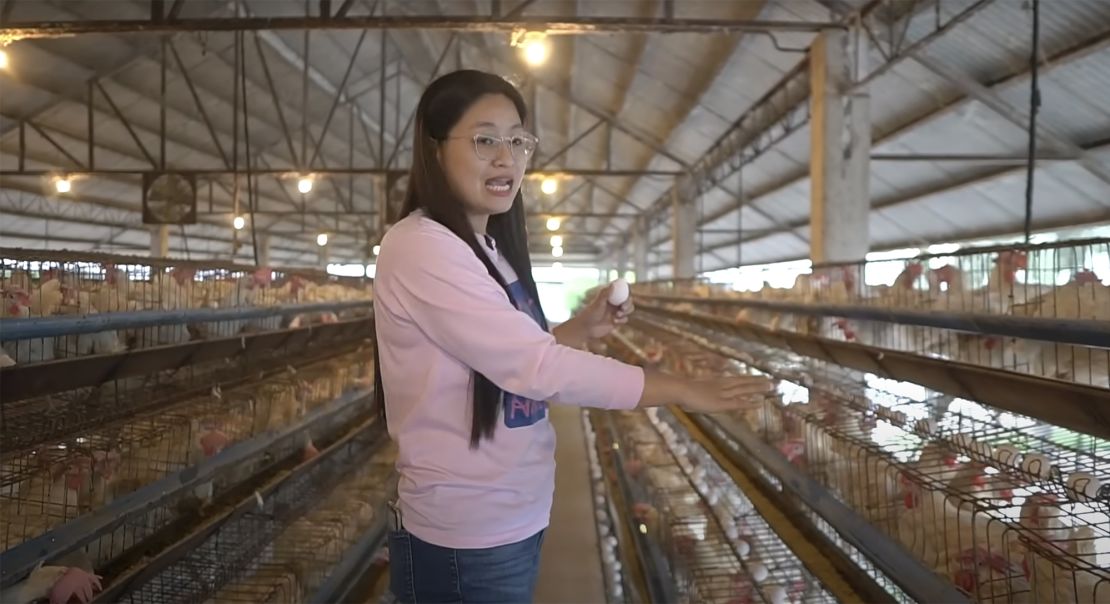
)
(500, 187)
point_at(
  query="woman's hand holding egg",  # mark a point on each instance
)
(608, 310)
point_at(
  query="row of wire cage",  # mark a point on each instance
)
(1008, 508)
(283, 548)
(51, 481)
(607, 520)
(37, 285)
(717, 547)
(1069, 281)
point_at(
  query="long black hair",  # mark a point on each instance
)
(440, 108)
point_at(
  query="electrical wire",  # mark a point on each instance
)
(1034, 105)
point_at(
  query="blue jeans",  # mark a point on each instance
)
(420, 572)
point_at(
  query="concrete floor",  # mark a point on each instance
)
(570, 570)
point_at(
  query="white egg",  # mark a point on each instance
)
(733, 533)
(743, 549)
(600, 500)
(758, 572)
(1037, 464)
(775, 594)
(618, 591)
(611, 541)
(601, 515)
(619, 292)
(617, 567)
(1006, 454)
(713, 497)
(608, 557)
(1084, 486)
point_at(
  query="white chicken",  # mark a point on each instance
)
(59, 584)
(1085, 298)
(17, 305)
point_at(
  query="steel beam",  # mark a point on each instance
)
(127, 124)
(731, 152)
(196, 98)
(461, 23)
(1079, 51)
(42, 132)
(338, 95)
(277, 102)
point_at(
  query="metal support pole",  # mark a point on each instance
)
(160, 241)
(162, 109)
(640, 251)
(263, 249)
(91, 127)
(838, 220)
(684, 233)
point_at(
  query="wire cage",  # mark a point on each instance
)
(1004, 506)
(50, 482)
(251, 541)
(292, 566)
(607, 522)
(717, 548)
(42, 285)
(903, 304)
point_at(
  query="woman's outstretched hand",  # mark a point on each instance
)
(711, 395)
(725, 393)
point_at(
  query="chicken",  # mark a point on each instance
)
(17, 305)
(59, 584)
(1084, 298)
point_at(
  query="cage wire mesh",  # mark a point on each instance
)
(238, 546)
(1058, 281)
(53, 482)
(1009, 508)
(717, 547)
(302, 555)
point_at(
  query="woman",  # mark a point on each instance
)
(467, 361)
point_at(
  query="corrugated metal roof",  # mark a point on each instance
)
(678, 92)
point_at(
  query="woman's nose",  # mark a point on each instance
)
(504, 155)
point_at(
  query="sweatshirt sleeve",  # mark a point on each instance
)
(431, 278)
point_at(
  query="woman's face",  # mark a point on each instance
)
(484, 172)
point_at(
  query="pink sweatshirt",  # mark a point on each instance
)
(439, 314)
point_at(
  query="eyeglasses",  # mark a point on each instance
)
(487, 147)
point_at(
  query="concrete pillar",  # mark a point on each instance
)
(622, 261)
(640, 240)
(263, 249)
(839, 200)
(684, 236)
(160, 241)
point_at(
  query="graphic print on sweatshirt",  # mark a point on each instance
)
(519, 411)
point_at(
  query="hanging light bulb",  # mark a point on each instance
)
(549, 186)
(377, 249)
(304, 185)
(239, 223)
(553, 224)
(322, 239)
(3, 59)
(556, 241)
(63, 185)
(557, 252)
(536, 50)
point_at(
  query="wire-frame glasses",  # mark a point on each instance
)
(487, 146)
